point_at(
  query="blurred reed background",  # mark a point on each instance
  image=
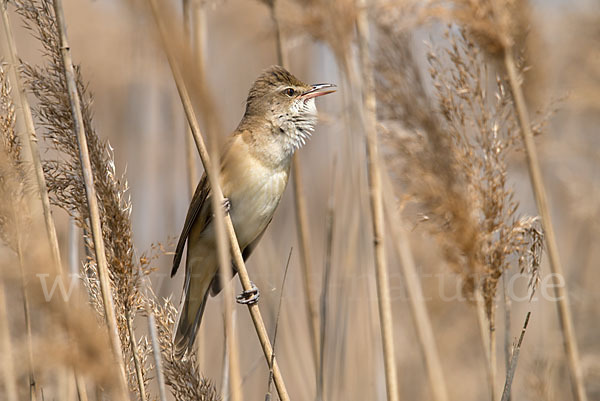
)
(459, 203)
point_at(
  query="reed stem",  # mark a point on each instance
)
(27, 315)
(30, 139)
(376, 201)
(507, 325)
(285, 273)
(238, 260)
(73, 268)
(329, 226)
(418, 308)
(136, 357)
(561, 293)
(305, 257)
(80, 386)
(160, 377)
(484, 332)
(224, 259)
(301, 217)
(8, 368)
(194, 23)
(510, 374)
(90, 191)
(190, 159)
(493, 365)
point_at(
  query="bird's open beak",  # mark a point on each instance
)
(318, 90)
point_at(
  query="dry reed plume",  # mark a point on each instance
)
(453, 162)
(65, 184)
(506, 21)
(454, 158)
(13, 174)
(56, 320)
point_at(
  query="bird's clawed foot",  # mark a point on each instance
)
(249, 297)
(226, 205)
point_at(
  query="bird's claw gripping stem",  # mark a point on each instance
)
(226, 205)
(249, 297)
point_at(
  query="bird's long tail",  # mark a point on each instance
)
(191, 316)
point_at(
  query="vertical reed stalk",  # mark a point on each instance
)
(301, 215)
(73, 264)
(232, 385)
(80, 386)
(418, 308)
(225, 367)
(376, 201)
(160, 378)
(27, 315)
(282, 58)
(225, 277)
(73, 248)
(8, 369)
(136, 357)
(561, 293)
(26, 310)
(65, 384)
(188, 25)
(305, 256)
(285, 273)
(510, 374)
(30, 138)
(238, 260)
(90, 191)
(486, 338)
(329, 222)
(507, 343)
(493, 365)
(194, 25)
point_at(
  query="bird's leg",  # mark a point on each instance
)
(249, 297)
(226, 205)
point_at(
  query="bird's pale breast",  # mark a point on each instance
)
(254, 191)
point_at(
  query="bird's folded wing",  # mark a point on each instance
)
(199, 209)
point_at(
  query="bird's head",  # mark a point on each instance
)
(285, 104)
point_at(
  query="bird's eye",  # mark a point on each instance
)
(290, 92)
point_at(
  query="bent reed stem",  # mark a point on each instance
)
(254, 310)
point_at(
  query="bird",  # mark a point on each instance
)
(279, 118)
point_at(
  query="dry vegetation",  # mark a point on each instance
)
(455, 195)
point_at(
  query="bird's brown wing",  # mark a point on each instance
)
(197, 210)
(200, 208)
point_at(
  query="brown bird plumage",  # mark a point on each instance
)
(280, 116)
